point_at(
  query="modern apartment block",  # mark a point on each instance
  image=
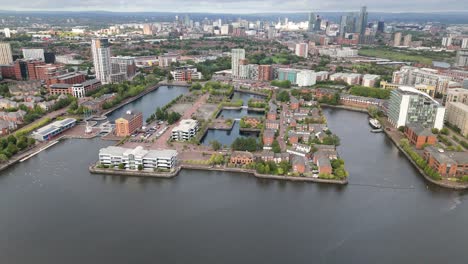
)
(408, 106)
(236, 56)
(408, 75)
(101, 58)
(6, 57)
(457, 115)
(122, 66)
(457, 95)
(35, 54)
(302, 50)
(186, 73)
(461, 60)
(132, 158)
(186, 130)
(128, 123)
(306, 78)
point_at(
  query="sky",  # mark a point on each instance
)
(236, 6)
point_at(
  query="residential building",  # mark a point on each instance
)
(186, 73)
(35, 54)
(461, 60)
(408, 106)
(457, 95)
(370, 80)
(446, 163)
(457, 115)
(397, 39)
(420, 136)
(241, 158)
(407, 40)
(302, 50)
(100, 50)
(6, 57)
(306, 78)
(464, 44)
(324, 165)
(186, 130)
(446, 41)
(288, 74)
(133, 158)
(298, 164)
(349, 78)
(265, 73)
(321, 76)
(272, 124)
(128, 123)
(147, 29)
(411, 76)
(268, 137)
(167, 59)
(6, 127)
(236, 56)
(428, 89)
(123, 66)
(54, 129)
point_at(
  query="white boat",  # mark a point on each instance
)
(374, 123)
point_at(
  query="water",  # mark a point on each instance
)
(245, 97)
(237, 114)
(225, 137)
(148, 103)
(54, 211)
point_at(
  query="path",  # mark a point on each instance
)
(161, 142)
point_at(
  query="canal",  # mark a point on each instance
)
(54, 211)
(226, 137)
(148, 103)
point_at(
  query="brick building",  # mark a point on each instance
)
(241, 158)
(420, 136)
(128, 124)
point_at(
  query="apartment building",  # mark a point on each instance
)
(186, 130)
(133, 158)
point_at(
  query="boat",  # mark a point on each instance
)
(377, 130)
(374, 123)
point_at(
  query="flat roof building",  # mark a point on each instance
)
(53, 129)
(186, 130)
(132, 158)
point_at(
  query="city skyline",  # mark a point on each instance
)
(229, 6)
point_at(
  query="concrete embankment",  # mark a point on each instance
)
(350, 108)
(264, 176)
(95, 170)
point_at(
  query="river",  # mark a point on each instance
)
(54, 211)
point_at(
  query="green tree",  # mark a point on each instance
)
(276, 146)
(121, 166)
(283, 96)
(215, 145)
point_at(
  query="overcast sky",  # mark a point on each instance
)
(237, 6)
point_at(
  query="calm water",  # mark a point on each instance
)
(148, 103)
(54, 211)
(226, 137)
(245, 97)
(237, 114)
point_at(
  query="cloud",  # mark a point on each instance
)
(237, 6)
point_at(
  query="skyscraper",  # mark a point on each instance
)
(5, 54)
(362, 22)
(236, 56)
(302, 50)
(7, 33)
(312, 19)
(343, 25)
(101, 59)
(461, 60)
(397, 39)
(407, 40)
(381, 27)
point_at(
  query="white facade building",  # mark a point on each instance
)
(101, 59)
(132, 158)
(6, 57)
(306, 78)
(236, 56)
(369, 80)
(34, 54)
(186, 130)
(7, 32)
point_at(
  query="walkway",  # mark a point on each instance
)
(161, 142)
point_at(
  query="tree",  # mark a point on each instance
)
(11, 139)
(12, 148)
(121, 166)
(140, 167)
(283, 96)
(3, 157)
(276, 146)
(215, 145)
